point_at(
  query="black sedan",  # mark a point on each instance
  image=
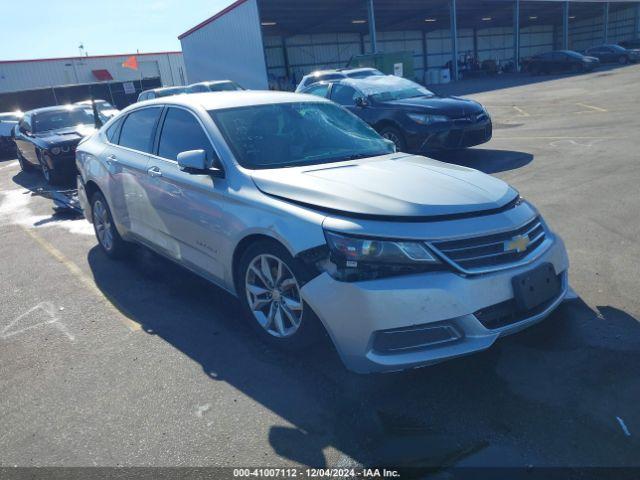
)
(561, 61)
(46, 138)
(408, 114)
(614, 54)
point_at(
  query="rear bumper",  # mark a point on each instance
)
(356, 314)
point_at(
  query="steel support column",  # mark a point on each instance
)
(372, 26)
(565, 25)
(636, 34)
(605, 22)
(285, 57)
(454, 39)
(516, 35)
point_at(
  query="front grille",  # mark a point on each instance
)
(492, 251)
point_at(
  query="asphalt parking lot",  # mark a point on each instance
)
(142, 363)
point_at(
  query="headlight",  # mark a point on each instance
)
(424, 119)
(357, 258)
(55, 150)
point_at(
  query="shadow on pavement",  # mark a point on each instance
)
(485, 159)
(507, 80)
(549, 395)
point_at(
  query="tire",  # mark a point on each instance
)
(393, 134)
(25, 166)
(51, 175)
(623, 60)
(275, 310)
(107, 235)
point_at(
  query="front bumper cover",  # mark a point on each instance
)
(352, 313)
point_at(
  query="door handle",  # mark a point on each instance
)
(111, 159)
(154, 172)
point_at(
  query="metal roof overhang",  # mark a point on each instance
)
(291, 17)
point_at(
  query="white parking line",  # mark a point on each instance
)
(590, 108)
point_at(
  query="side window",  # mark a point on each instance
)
(113, 132)
(344, 95)
(319, 90)
(197, 88)
(137, 129)
(181, 132)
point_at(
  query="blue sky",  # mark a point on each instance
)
(55, 28)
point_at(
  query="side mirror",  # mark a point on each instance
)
(192, 160)
(195, 161)
(361, 102)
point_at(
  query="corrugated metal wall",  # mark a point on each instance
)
(589, 32)
(307, 53)
(228, 48)
(19, 76)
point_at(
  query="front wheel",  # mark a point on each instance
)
(393, 134)
(25, 166)
(623, 60)
(108, 237)
(51, 175)
(268, 281)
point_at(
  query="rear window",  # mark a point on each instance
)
(138, 128)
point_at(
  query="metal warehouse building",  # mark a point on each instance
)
(267, 42)
(18, 75)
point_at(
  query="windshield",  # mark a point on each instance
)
(46, 121)
(389, 88)
(293, 134)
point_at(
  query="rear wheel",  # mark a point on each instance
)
(268, 281)
(393, 134)
(108, 237)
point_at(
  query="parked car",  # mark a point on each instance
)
(310, 218)
(324, 75)
(561, 61)
(160, 92)
(105, 109)
(213, 86)
(8, 121)
(614, 54)
(632, 44)
(46, 138)
(412, 117)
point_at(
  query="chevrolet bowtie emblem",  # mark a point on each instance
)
(519, 243)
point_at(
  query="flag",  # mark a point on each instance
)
(131, 62)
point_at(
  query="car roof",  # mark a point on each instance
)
(164, 89)
(58, 108)
(232, 99)
(88, 102)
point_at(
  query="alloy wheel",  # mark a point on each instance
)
(273, 295)
(102, 222)
(394, 138)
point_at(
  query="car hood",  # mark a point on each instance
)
(395, 185)
(66, 135)
(450, 106)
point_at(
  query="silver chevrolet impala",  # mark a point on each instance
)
(318, 226)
